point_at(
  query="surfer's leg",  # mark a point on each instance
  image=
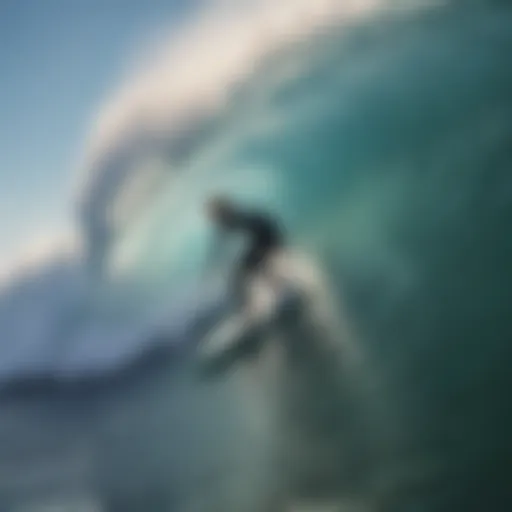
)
(248, 266)
(272, 271)
(240, 281)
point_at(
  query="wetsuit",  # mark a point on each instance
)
(265, 236)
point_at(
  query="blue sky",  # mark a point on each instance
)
(59, 59)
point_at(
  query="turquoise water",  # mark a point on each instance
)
(345, 151)
(387, 157)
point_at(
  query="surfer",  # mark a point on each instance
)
(264, 234)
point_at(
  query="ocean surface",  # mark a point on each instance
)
(386, 151)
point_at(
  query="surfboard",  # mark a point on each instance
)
(269, 301)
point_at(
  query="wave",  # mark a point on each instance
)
(61, 327)
(335, 132)
(70, 318)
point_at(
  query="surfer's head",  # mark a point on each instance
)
(220, 209)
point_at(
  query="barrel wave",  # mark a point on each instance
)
(380, 134)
